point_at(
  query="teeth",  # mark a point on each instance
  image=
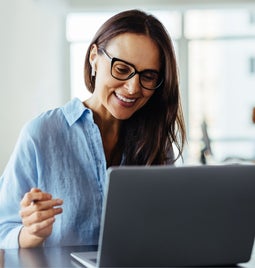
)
(124, 99)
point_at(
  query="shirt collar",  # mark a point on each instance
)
(74, 109)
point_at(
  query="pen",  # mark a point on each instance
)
(34, 202)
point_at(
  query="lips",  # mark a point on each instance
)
(124, 99)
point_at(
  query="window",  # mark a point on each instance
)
(221, 87)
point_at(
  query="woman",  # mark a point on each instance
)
(133, 117)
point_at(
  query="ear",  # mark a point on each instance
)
(92, 59)
(93, 54)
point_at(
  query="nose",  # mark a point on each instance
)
(133, 85)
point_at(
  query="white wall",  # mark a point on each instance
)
(34, 68)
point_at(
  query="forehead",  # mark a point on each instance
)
(137, 49)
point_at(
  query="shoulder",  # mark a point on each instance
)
(55, 120)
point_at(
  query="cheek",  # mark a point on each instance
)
(146, 97)
(106, 81)
(147, 94)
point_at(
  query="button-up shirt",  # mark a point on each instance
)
(61, 152)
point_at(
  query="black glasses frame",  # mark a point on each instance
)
(140, 73)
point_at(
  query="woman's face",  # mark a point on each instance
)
(121, 99)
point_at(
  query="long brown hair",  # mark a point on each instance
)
(147, 137)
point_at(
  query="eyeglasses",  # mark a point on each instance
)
(122, 70)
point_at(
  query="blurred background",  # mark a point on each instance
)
(42, 50)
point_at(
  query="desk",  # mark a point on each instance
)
(57, 257)
(53, 257)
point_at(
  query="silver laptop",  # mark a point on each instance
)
(176, 216)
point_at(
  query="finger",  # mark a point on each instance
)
(46, 205)
(38, 227)
(32, 196)
(35, 190)
(26, 211)
(40, 205)
(41, 195)
(40, 216)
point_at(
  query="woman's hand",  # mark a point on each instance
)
(38, 211)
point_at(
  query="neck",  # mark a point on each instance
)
(109, 128)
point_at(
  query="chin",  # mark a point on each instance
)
(122, 116)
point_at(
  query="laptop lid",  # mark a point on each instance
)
(178, 216)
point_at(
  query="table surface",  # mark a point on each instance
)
(57, 257)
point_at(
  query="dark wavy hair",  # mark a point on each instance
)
(147, 137)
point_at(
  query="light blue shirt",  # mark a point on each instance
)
(60, 152)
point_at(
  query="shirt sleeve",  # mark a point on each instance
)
(18, 178)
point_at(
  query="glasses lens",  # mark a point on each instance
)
(121, 70)
(149, 79)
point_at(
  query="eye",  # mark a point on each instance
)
(149, 76)
(122, 69)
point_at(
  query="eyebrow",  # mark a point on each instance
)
(131, 64)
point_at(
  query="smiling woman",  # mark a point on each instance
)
(146, 45)
(133, 117)
(121, 95)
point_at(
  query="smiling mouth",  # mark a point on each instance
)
(122, 98)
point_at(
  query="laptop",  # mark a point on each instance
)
(161, 216)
